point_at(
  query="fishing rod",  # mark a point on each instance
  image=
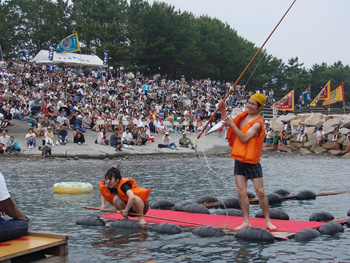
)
(244, 71)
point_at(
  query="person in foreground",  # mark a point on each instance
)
(12, 228)
(124, 194)
(246, 137)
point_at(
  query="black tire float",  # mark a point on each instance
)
(307, 234)
(206, 199)
(231, 203)
(231, 212)
(166, 228)
(349, 212)
(273, 198)
(255, 234)
(305, 195)
(90, 220)
(126, 224)
(251, 195)
(208, 231)
(282, 192)
(195, 208)
(321, 216)
(181, 205)
(162, 204)
(331, 228)
(275, 213)
(348, 222)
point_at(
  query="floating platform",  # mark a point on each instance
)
(36, 246)
(285, 228)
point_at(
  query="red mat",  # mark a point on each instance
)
(196, 220)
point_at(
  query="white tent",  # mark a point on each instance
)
(69, 59)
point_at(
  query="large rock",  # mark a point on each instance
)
(309, 144)
(346, 123)
(332, 122)
(286, 118)
(303, 151)
(314, 120)
(328, 130)
(296, 145)
(331, 146)
(295, 122)
(344, 130)
(335, 152)
(310, 130)
(347, 155)
(284, 148)
(277, 126)
(318, 149)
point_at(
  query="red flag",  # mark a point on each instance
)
(323, 95)
(286, 103)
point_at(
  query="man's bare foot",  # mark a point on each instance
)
(270, 226)
(142, 222)
(244, 225)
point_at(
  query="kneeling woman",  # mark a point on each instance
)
(124, 194)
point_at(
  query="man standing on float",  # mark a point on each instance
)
(246, 137)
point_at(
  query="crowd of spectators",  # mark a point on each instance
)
(54, 98)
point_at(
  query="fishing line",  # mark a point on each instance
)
(254, 70)
(223, 179)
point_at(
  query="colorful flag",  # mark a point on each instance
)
(336, 95)
(305, 95)
(286, 103)
(323, 95)
(69, 44)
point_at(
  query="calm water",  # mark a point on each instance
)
(180, 179)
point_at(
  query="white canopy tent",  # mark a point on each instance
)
(69, 59)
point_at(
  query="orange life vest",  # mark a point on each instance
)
(138, 191)
(250, 151)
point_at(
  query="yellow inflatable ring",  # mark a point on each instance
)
(72, 188)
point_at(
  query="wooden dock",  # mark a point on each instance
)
(35, 247)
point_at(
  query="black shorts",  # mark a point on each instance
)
(250, 171)
(145, 209)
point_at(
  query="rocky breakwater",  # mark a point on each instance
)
(313, 121)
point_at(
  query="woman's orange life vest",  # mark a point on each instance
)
(138, 191)
(250, 151)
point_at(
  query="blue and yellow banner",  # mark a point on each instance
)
(69, 44)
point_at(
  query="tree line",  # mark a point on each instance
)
(158, 38)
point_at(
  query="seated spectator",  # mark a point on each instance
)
(269, 136)
(276, 139)
(30, 137)
(41, 129)
(101, 137)
(150, 137)
(335, 133)
(45, 151)
(49, 137)
(31, 119)
(167, 142)
(7, 119)
(78, 136)
(283, 137)
(127, 137)
(55, 125)
(86, 121)
(12, 146)
(62, 135)
(321, 137)
(2, 149)
(301, 132)
(348, 148)
(115, 140)
(185, 141)
(12, 228)
(4, 138)
(63, 120)
(142, 136)
(46, 122)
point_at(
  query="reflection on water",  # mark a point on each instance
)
(179, 179)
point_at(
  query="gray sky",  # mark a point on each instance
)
(315, 31)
